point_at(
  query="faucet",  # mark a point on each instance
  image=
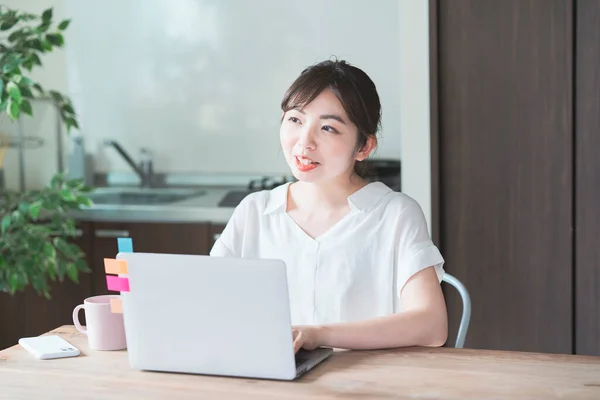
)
(144, 170)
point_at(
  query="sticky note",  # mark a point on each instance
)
(116, 306)
(112, 266)
(125, 245)
(117, 284)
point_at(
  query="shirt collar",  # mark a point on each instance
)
(368, 196)
(360, 200)
(277, 199)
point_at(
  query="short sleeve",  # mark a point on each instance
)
(229, 243)
(416, 250)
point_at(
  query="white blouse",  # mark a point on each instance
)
(353, 271)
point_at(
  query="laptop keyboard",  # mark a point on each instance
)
(301, 357)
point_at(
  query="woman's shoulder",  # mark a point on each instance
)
(263, 201)
(384, 198)
(401, 202)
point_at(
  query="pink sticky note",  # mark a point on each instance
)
(117, 284)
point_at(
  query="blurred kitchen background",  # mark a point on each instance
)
(197, 85)
(491, 121)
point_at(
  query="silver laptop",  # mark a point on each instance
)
(211, 315)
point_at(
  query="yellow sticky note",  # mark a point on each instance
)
(112, 266)
(116, 306)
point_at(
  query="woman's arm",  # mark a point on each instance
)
(423, 322)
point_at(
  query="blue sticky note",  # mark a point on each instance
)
(125, 245)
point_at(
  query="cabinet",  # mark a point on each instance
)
(587, 179)
(175, 238)
(516, 175)
(27, 314)
(505, 169)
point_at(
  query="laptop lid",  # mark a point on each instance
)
(208, 315)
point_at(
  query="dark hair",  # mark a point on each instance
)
(353, 88)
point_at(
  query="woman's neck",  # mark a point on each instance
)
(330, 195)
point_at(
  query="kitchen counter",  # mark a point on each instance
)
(202, 208)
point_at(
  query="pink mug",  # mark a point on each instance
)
(105, 330)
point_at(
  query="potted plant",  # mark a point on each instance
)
(36, 227)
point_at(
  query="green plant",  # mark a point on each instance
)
(36, 227)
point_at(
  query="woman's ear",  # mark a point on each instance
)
(369, 146)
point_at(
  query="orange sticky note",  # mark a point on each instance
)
(116, 306)
(112, 266)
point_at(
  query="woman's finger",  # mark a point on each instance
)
(297, 335)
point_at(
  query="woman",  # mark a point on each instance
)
(362, 270)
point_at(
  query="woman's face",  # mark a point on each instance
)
(319, 141)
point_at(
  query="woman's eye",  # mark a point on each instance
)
(329, 128)
(294, 120)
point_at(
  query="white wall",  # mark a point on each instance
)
(199, 82)
(415, 146)
(389, 41)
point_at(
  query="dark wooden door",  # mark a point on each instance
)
(587, 182)
(29, 314)
(504, 81)
(175, 238)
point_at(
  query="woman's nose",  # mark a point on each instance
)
(306, 139)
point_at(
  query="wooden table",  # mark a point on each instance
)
(412, 373)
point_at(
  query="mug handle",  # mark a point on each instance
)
(76, 319)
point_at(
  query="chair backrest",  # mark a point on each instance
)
(466, 312)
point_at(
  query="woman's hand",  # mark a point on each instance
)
(305, 337)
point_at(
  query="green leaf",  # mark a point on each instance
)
(64, 24)
(24, 207)
(34, 209)
(16, 35)
(57, 97)
(55, 38)
(26, 81)
(68, 108)
(46, 45)
(35, 44)
(25, 92)
(38, 87)
(13, 91)
(36, 60)
(84, 201)
(43, 27)
(71, 122)
(82, 265)
(14, 109)
(67, 195)
(1, 86)
(26, 107)
(28, 65)
(72, 272)
(16, 78)
(47, 15)
(6, 25)
(14, 282)
(12, 61)
(56, 181)
(6, 220)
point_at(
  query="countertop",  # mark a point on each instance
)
(194, 209)
(203, 208)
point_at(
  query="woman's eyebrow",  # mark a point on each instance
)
(333, 116)
(324, 116)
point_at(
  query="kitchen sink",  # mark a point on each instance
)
(142, 196)
(233, 198)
